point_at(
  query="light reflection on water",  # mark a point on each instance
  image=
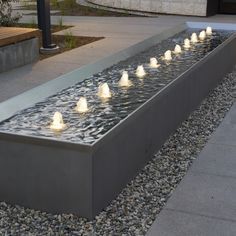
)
(103, 115)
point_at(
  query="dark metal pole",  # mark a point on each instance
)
(39, 14)
(44, 23)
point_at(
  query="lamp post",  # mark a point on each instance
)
(44, 24)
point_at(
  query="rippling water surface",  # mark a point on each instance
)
(103, 115)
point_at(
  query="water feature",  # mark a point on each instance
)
(168, 55)
(107, 108)
(202, 35)
(124, 80)
(194, 38)
(140, 72)
(104, 91)
(82, 105)
(57, 122)
(177, 49)
(208, 31)
(154, 63)
(187, 44)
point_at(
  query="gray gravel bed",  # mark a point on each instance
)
(135, 209)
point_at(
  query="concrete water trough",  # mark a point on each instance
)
(67, 177)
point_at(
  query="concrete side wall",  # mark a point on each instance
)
(180, 7)
(44, 175)
(18, 54)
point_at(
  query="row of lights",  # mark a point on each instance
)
(104, 91)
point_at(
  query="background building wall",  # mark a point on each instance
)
(182, 7)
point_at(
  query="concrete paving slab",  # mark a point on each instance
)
(225, 134)
(175, 223)
(231, 116)
(93, 51)
(30, 76)
(92, 29)
(216, 159)
(204, 194)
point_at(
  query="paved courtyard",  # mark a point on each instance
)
(204, 203)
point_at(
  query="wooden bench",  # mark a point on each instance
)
(11, 35)
(18, 47)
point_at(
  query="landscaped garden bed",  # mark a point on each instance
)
(66, 42)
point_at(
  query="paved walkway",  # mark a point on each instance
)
(119, 33)
(204, 203)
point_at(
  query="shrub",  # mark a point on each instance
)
(70, 40)
(69, 3)
(6, 16)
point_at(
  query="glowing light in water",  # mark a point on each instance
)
(140, 72)
(194, 38)
(154, 63)
(187, 43)
(177, 49)
(104, 91)
(167, 55)
(82, 105)
(57, 122)
(202, 35)
(124, 80)
(209, 30)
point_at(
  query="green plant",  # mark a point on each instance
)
(70, 40)
(26, 4)
(55, 3)
(66, 5)
(60, 22)
(6, 17)
(32, 23)
(69, 3)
